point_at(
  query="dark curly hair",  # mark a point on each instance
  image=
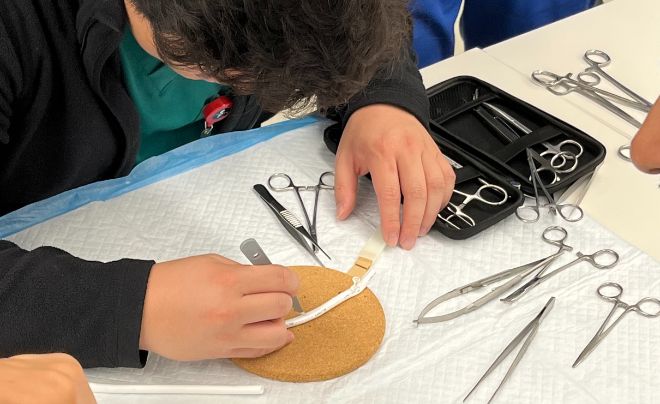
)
(286, 52)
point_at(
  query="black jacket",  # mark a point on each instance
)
(66, 120)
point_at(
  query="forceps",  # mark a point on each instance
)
(289, 185)
(576, 212)
(457, 210)
(586, 82)
(516, 274)
(596, 59)
(525, 337)
(627, 308)
(290, 223)
(543, 275)
(555, 168)
(568, 84)
(559, 154)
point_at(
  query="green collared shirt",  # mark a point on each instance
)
(169, 105)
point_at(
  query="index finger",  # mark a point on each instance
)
(267, 278)
(385, 179)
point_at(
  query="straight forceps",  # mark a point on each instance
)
(457, 210)
(652, 310)
(516, 274)
(287, 185)
(290, 223)
(526, 336)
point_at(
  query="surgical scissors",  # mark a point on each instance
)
(576, 212)
(516, 275)
(592, 57)
(627, 308)
(457, 210)
(543, 276)
(289, 185)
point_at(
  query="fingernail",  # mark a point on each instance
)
(393, 239)
(290, 337)
(408, 243)
(424, 231)
(340, 210)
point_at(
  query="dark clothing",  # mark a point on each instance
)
(66, 120)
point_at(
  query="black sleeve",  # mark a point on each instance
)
(400, 86)
(11, 81)
(51, 301)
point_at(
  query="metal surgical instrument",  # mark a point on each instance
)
(289, 185)
(253, 252)
(592, 57)
(543, 275)
(516, 275)
(526, 336)
(290, 223)
(603, 331)
(576, 212)
(558, 156)
(456, 211)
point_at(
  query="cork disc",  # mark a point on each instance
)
(332, 345)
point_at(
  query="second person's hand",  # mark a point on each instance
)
(208, 307)
(402, 158)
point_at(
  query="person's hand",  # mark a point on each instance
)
(209, 307)
(48, 378)
(645, 146)
(402, 158)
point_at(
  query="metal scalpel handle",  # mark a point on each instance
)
(253, 252)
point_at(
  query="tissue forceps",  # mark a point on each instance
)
(457, 210)
(526, 336)
(289, 185)
(627, 308)
(543, 275)
(516, 275)
(290, 222)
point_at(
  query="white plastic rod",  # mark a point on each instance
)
(183, 389)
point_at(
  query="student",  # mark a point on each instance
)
(483, 22)
(645, 147)
(88, 88)
(487, 22)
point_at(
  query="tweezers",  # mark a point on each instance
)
(290, 222)
(525, 337)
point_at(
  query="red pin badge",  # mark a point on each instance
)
(215, 111)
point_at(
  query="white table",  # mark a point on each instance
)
(621, 198)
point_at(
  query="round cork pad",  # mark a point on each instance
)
(332, 345)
